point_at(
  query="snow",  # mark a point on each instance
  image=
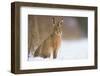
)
(70, 49)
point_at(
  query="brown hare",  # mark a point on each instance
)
(51, 45)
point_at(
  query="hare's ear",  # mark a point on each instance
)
(53, 21)
(61, 22)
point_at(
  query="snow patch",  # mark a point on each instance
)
(70, 49)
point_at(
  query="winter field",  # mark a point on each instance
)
(70, 49)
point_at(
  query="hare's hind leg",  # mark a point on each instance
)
(46, 53)
(46, 56)
(37, 52)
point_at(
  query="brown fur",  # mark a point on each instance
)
(51, 45)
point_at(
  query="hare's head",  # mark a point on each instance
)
(57, 26)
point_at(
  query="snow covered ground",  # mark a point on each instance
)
(70, 49)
